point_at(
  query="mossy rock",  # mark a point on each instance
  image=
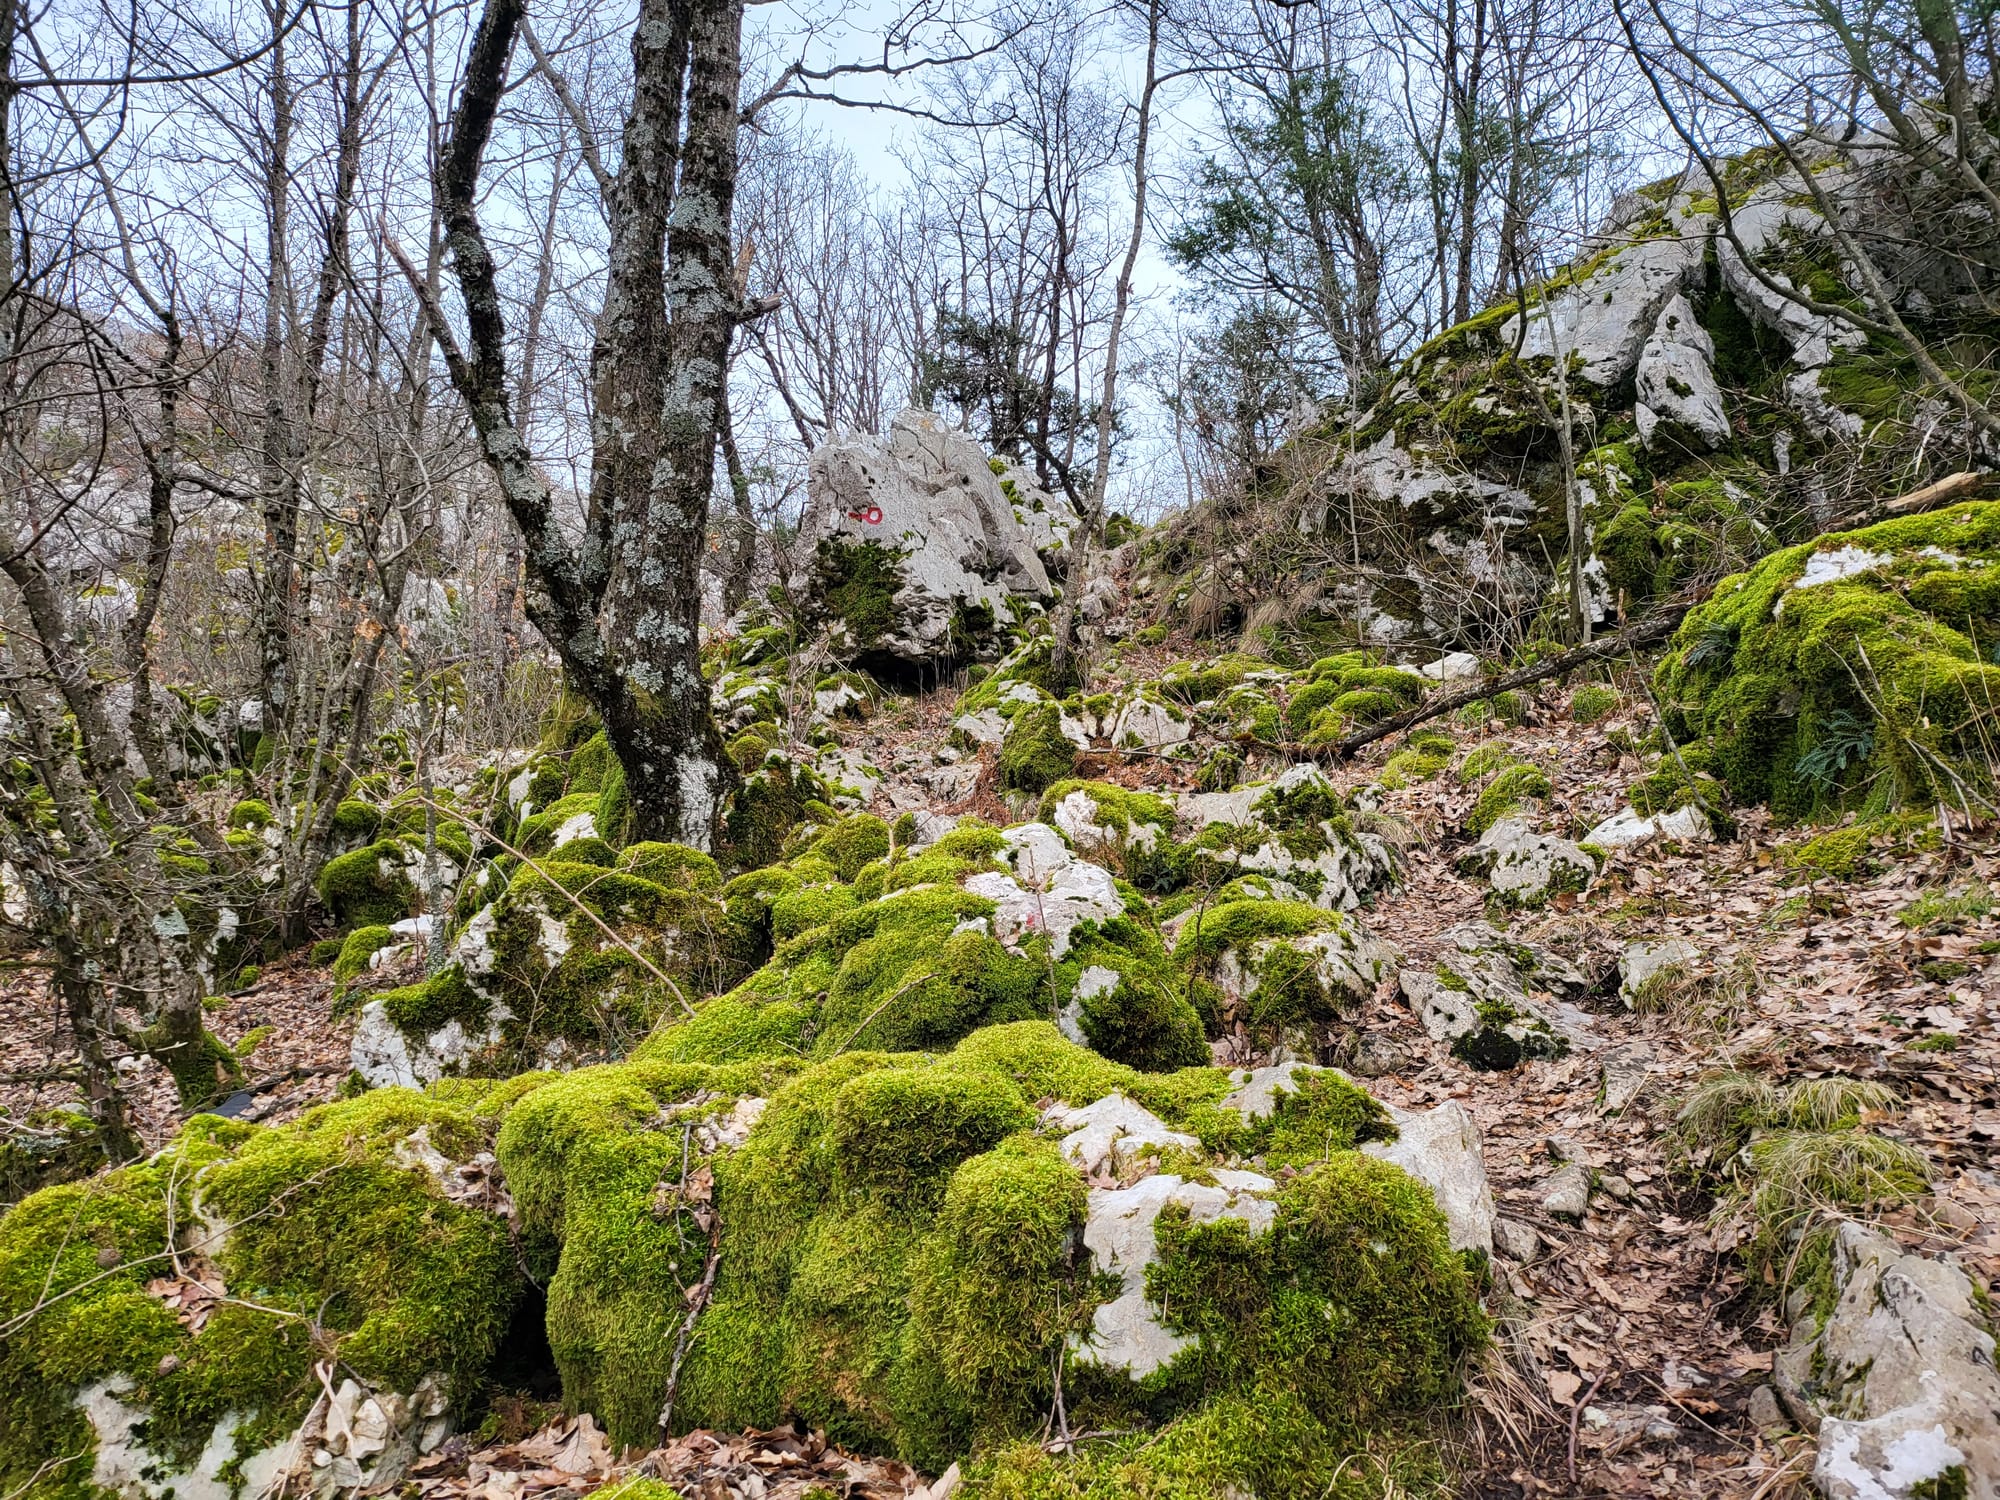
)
(1036, 754)
(369, 887)
(575, 960)
(1853, 671)
(332, 1244)
(361, 946)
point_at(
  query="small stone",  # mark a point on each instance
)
(1515, 1240)
(1767, 1413)
(1380, 1056)
(108, 1257)
(1617, 1186)
(1567, 1194)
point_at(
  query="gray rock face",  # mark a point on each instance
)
(960, 548)
(1440, 1148)
(1901, 1378)
(1477, 999)
(1602, 322)
(1677, 393)
(1526, 868)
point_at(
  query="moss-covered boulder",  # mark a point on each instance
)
(903, 1253)
(570, 961)
(171, 1323)
(370, 886)
(907, 1250)
(1855, 670)
(1298, 835)
(1279, 972)
(917, 950)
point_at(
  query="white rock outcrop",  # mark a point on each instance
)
(1526, 868)
(1900, 1378)
(1677, 391)
(1050, 890)
(963, 549)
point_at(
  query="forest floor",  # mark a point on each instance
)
(1631, 1341)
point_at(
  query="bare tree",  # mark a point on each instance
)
(621, 605)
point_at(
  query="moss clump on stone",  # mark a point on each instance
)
(1364, 1246)
(1422, 756)
(1137, 832)
(1593, 703)
(368, 887)
(362, 945)
(858, 582)
(334, 1249)
(1838, 673)
(1839, 855)
(1036, 754)
(251, 813)
(1504, 795)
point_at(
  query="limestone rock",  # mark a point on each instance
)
(1146, 723)
(1677, 393)
(1901, 1375)
(1477, 998)
(1050, 891)
(1126, 1333)
(954, 554)
(386, 1058)
(1440, 1148)
(1285, 835)
(1457, 666)
(1566, 1195)
(1526, 868)
(1107, 1137)
(1601, 323)
(1515, 1240)
(1628, 827)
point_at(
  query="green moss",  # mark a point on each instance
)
(335, 1251)
(1354, 1302)
(853, 842)
(1505, 794)
(1422, 756)
(1593, 703)
(1848, 691)
(1839, 855)
(362, 944)
(1139, 826)
(858, 582)
(250, 814)
(368, 887)
(1035, 754)
(1483, 760)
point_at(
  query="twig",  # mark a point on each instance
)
(1576, 1418)
(1656, 626)
(697, 1300)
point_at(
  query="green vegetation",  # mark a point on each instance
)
(1874, 688)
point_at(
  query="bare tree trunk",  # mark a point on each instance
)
(623, 609)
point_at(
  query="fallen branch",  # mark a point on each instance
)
(1655, 626)
(1935, 496)
(697, 1300)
